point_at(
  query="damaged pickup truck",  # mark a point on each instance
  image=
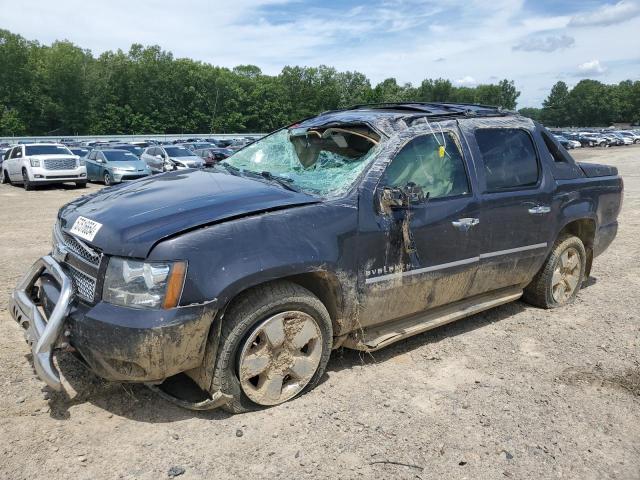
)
(355, 228)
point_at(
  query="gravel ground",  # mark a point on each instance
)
(514, 392)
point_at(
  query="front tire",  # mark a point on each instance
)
(81, 184)
(274, 345)
(107, 179)
(25, 181)
(560, 278)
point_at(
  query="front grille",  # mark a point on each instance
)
(80, 261)
(73, 245)
(83, 285)
(60, 164)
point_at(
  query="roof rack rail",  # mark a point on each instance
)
(431, 108)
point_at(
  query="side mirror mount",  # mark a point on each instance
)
(401, 198)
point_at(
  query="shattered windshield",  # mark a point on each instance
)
(322, 161)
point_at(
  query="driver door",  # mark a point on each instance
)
(426, 255)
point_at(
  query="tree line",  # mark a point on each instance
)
(589, 103)
(62, 89)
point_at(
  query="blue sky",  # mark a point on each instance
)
(535, 43)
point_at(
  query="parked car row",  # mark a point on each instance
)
(597, 138)
(31, 164)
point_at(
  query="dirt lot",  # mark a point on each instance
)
(515, 392)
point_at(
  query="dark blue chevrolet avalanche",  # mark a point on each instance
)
(355, 228)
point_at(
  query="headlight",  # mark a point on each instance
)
(81, 162)
(35, 162)
(136, 284)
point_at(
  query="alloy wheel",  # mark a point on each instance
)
(566, 275)
(280, 357)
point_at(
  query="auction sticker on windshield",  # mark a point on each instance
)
(85, 228)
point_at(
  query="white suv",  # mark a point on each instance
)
(41, 164)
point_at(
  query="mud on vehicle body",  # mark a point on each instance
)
(354, 228)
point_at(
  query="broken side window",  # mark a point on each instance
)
(320, 161)
(432, 162)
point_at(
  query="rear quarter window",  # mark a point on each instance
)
(509, 158)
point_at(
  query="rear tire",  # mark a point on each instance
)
(560, 278)
(25, 181)
(244, 339)
(5, 178)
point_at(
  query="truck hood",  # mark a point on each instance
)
(137, 215)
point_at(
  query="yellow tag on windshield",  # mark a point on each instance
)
(441, 151)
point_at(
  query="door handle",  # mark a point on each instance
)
(465, 224)
(539, 210)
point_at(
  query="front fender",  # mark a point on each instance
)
(227, 258)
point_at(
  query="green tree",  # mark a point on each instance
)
(554, 108)
(508, 94)
(591, 104)
(389, 91)
(532, 113)
(11, 124)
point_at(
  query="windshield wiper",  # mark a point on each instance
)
(232, 170)
(282, 181)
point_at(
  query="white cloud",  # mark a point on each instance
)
(544, 44)
(607, 14)
(592, 68)
(466, 81)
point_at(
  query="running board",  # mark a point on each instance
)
(378, 336)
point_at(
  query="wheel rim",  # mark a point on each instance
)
(566, 275)
(280, 358)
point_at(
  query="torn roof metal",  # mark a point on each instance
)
(390, 118)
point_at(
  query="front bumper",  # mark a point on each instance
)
(44, 175)
(125, 176)
(42, 334)
(118, 343)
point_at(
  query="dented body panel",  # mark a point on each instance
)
(371, 265)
